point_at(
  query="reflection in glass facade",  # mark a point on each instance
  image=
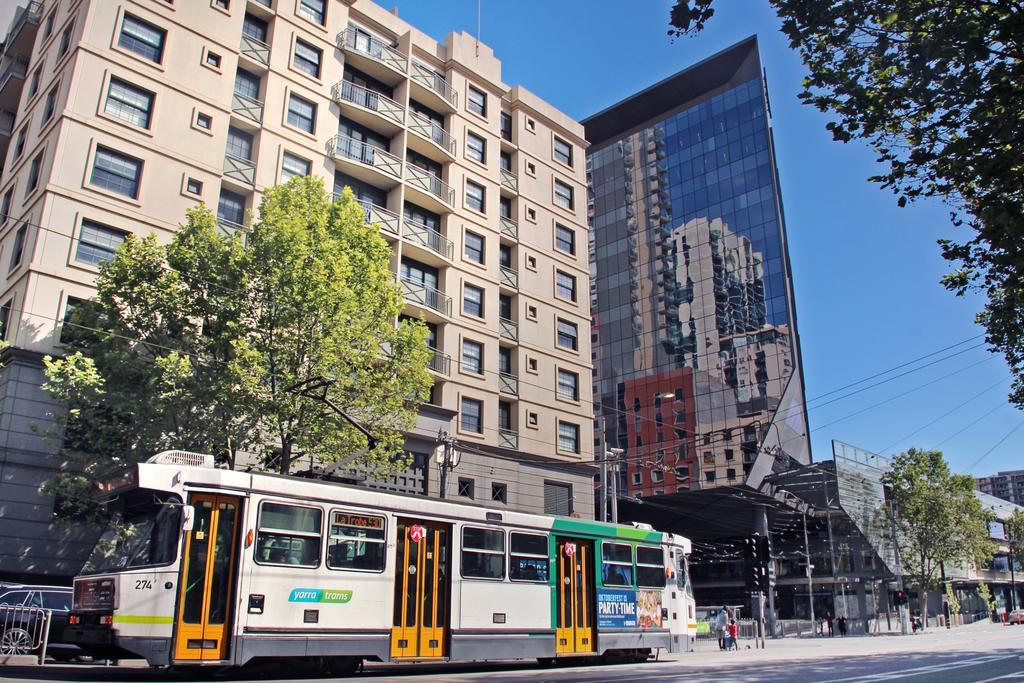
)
(697, 364)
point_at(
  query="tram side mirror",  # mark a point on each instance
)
(188, 517)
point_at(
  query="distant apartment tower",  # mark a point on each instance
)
(698, 374)
(116, 116)
(1007, 485)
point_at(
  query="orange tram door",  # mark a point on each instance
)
(576, 595)
(422, 587)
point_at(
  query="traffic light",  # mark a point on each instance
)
(751, 567)
(899, 598)
(764, 563)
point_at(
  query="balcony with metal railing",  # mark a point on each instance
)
(12, 78)
(369, 107)
(422, 238)
(440, 363)
(508, 277)
(426, 298)
(508, 438)
(430, 139)
(231, 228)
(242, 170)
(365, 162)
(256, 51)
(373, 56)
(432, 88)
(508, 329)
(389, 221)
(508, 384)
(429, 191)
(247, 108)
(509, 181)
(22, 32)
(509, 228)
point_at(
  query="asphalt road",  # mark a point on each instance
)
(978, 653)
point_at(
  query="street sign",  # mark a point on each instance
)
(417, 533)
(570, 549)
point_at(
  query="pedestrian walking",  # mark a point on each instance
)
(734, 635)
(821, 626)
(841, 623)
(828, 619)
(722, 627)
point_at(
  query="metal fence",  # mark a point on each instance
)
(24, 630)
(747, 632)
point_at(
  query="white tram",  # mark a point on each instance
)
(210, 566)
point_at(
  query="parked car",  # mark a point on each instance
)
(1015, 617)
(18, 626)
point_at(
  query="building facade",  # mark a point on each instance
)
(1006, 485)
(117, 116)
(698, 373)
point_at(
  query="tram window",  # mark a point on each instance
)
(528, 557)
(288, 535)
(617, 564)
(650, 567)
(356, 542)
(483, 553)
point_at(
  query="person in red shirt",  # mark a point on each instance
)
(734, 632)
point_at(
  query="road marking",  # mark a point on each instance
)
(958, 664)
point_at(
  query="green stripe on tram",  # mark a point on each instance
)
(593, 528)
(141, 619)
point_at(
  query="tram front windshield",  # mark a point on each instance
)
(143, 531)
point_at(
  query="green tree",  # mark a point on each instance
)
(200, 344)
(934, 86)
(939, 521)
(1014, 527)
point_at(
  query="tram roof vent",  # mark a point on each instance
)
(182, 458)
(641, 525)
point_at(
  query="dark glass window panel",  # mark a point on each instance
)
(142, 38)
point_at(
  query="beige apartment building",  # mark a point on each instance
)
(118, 115)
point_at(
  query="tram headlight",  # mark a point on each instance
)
(95, 594)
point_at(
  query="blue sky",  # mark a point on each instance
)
(866, 272)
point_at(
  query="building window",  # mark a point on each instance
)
(475, 196)
(239, 144)
(506, 126)
(499, 492)
(616, 564)
(48, 27)
(565, 286)
(473, 300)
(467, 488)
(356, 542)
(528, 556)
(682, 472)
(472, 357)
(476, 147)
(116, 172)
(568, 437)
(97, 243)
(471, 416)
(50, 106)
(292, 166)
(730, 474)
(5, 317)
(477, 101)
(66, 325)
(19, 246)
(33, 174)
(142, 38)
(568, 335)
(65, 42)
(568, 385)
(564, 195)
(204, 121)
(255, 28)
(307, 58)
(301, 113)
(314, 10)
(247, 84)
(5, 205)
(19, 144)
(557, 499)
(129, 103)
(709, 475)
(212, 59)
(563, 151)
(657, 476)
(231, 207)
(289, 535)
(638, 478)
(565, 239)
(474, 247)
(193, 186)
(33, 83)
(223, 4)
(483, 553)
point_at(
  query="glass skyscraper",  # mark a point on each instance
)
(697, 358)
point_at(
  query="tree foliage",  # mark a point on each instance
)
(938, 518)
(934, 86)
(199, 344)
(1014, 527)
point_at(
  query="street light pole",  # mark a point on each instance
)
(615, 453)
(810, 579)
(603, 499)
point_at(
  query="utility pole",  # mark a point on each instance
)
(904, 616)
(447, 459)
(615, 453)
(603, 499)
(1013, 580)
(810, 572)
